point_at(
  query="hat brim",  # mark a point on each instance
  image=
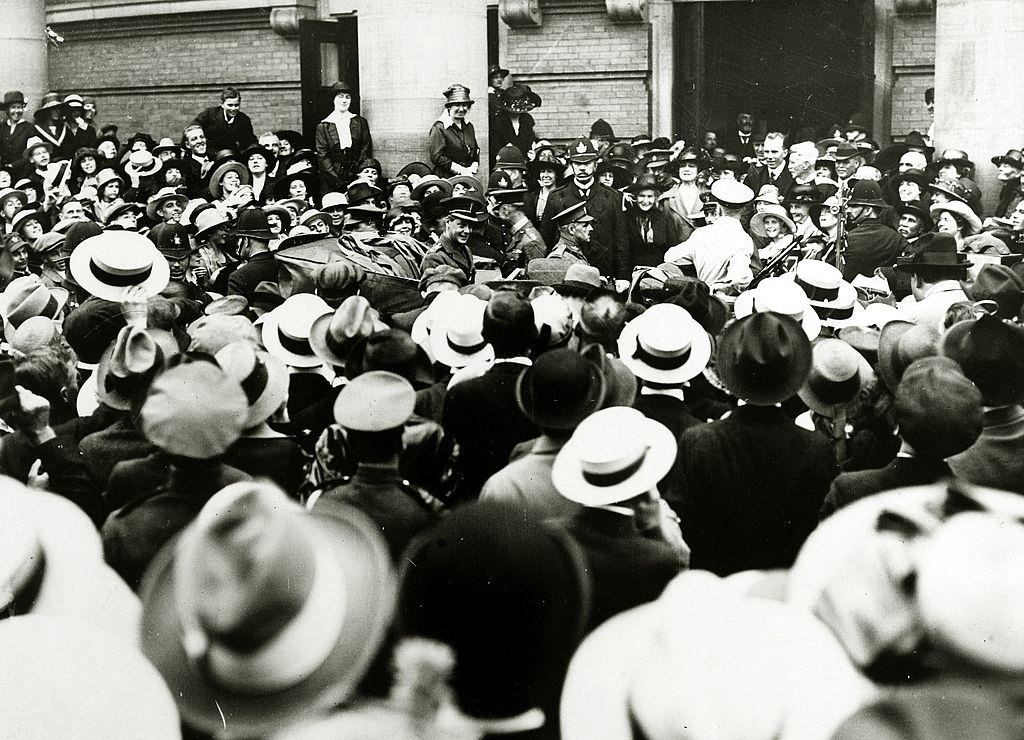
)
(858, 318)
(318, 341)
(168, 347)
(272, 343)
(62, 295)
(700, 355)
(567, 471)
(274, 393)
(370, 591)
(560, 416)
(152, 208)
(814, 402)
(154, 167)
(79, 266)
(783, 387)
(743, 306)
(443, 353)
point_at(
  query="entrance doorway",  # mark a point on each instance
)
(328, 52)
(792, 63)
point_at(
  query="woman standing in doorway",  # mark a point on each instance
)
(342, 141)
(452, 139)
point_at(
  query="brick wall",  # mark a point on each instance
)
(913, 73)
(584, 67)
(156, 74)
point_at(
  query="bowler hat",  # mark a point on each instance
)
(991, 353)
(601, 128)
(392, 350)
(143, 163)
(938, 410)
(1000, 284)
(375, 401)
(560, 390)
(252, 222)
(12, 97)
(764, 358)
(902, 343)
(264, 614)
(508, 320)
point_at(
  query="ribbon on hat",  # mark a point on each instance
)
(660, 363)
(840, 314)
(119, 281)
(606, 480)
(256, 382)
(471, 349)
(295, 345)
(834, 391)
(816, 292)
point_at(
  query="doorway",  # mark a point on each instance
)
(328, 52)
(794, 64)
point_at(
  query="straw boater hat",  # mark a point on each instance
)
(664, 345)
(109, 264)
(614, 455)
(143, 163)
(456, 338)
(838, 372)
(826, 290)
(263, 378)
(776, 211)
(261, 614)
(286, 329)
(780, 296)
(26, 297)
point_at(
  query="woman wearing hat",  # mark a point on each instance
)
(452, 139)
(11, 202)
(773, 225)
(651, 230)
(956, 219)
(545, 174)
(342, 140)
(684, 197)
(512, 122)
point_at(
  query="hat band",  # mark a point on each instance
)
(833, 391)
(840, 314)
(256, 382)
(339, 349)
(119, 281)
(22, 589)
(48, 311)
(816, 292)
(462, 349)
(295, 345)
(660, 363)
(606, 480)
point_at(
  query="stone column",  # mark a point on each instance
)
(979, 65)
(409, 52)
(23, 63)
(660, 15)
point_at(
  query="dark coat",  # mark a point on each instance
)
(449, 144)
(730, 141)
(12, 144)
(751, 487)
(104, 449)
(530, 208)
(608, 250)
(448, 252)
(278, 458)
(903, 471)
(669, 411)
(758, 176)
(244, 280)
(503, 133)
(666, 230)
(626, 568)
(337, 165)
(1009, 196)
(486, 422)
(220, 134)
(869, 245)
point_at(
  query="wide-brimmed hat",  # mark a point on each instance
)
(961, 209)
(664, 345)
(552, 316)
(108, 175)
(392, 350)
(24, 215)
(375, 401)
(282, 185)
(838, 373)
(262, 377)
(334, 334)
(560, 390)
(26, 297)
(264, 614)
(164, 195)
(763, 358)
(143, 163)
(20, 195)
(431, 181)
(222, 169)
(1013, 157)
(1000, 284)
(457, 95)
(50, 101)
(916, 176)
(900, 344)
(776, 211)
(12, 97)
(781, 296)
(920, 209)
(286, 329)
(109, 264)
(991, 353)
(645, 181)
(456, 337)
(130, 363)
(954, 189)
(935, 256)
(34, 143)
(614, 455)
(208, 219)
(518, 98)
(267, 155)
(842, 151)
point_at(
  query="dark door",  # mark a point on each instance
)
(689, 116)
(328, 52)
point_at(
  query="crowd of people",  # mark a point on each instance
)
(637, 438)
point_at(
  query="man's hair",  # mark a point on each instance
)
(805, 147)
(781, 137)
(929, 95)
(228, 93)
(265, 134)
(192, 127)
(45, 371)
(744, 113)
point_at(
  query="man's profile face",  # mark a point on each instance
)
(231, 107)
(745, 123)
(582, 230)
(1007, 172)
(196, 141)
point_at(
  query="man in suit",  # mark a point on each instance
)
(939, 414)
(253, 236)
(870, 242)
(482, 413)
(751, 485)
(608, 249)
(774, 170)
(15, 131)
(739, 141)
(225, 125)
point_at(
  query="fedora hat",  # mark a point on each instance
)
(938, 410)
(900, 344)
(456, 338)
(990, 351)
(580, 280)
(333, 334)
(164, 195)
(695, 296)
(227, 305)
(1000, 284)
(560, 390)
(614, 455)
(109, 264)
(392, 350)
(286, 329)
(553, 318)
(209, 219)
(26, 297)
(776, 211)
(262, 377)
(664, 345)
(843, 150)
(864, 339)
(866, 193)
(781, 296)
(375, 401)
(263, 613)
(222, 169)
(143, 163)
(764, 358)
(961, 209)
(130, 363)
(838, 373)
(935, 256)
(457, 95)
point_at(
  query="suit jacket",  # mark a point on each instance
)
(730, 141)
(665, 229)
(997, 458)
(608, 249)
(758, 176)
(261, 267)
(220, 134)
(12, 143)
(449, 144)
(626, 568)
(869, 245)
(903, 471)
(503, 133)
(485, 420)
(337, 165)
(278, 458)
(751, 486)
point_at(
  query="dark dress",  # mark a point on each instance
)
(337, 165)
(448, 144)
(650, 235)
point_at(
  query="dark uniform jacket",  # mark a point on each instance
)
(608, 249)
(337, 165)
(869, 245)
(260, 267)
(278, 458)
(220, 134)
(449, 252)
(12, 143)
(903, 471)
(751, 487)
(449, 144)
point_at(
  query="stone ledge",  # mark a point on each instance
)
(102, 10)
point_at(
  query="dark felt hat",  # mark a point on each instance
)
(1000, 284)
(935, 255)
(939, 411)
(560, 390)
(392, 350)
(764, 358)
(991, 353)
